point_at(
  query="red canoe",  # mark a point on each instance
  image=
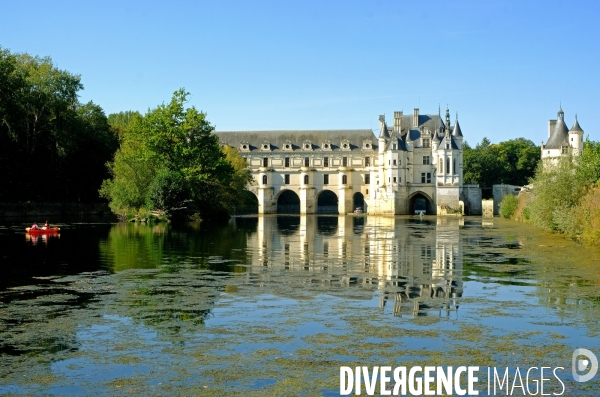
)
(52, 230)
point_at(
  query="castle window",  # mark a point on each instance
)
(447, 145)
(287, 162)
(394, 146)
(287, 146)
(441, 162)
(426, 142)
(286, 179)
(307, 162)
(447, 165)
(264, 179)
(265, 162)
(325, 161)
(394, 179)
(425, 160)
(344, 179)
(344, 161)
(454, 166)
(425, 177)
(367, 146)
(244, 147)
(326, 146)
(306, 179)
(367, 161)
(345, 146)
(367, 191)
(367, 179)
(394, 162)
(326, 179)
(565, 150)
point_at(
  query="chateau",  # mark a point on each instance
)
(561, 140)
(414, 166)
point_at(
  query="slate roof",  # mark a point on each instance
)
(576, 127)
(452, 143)
(457, 132)
(558, 136)
(317, 137)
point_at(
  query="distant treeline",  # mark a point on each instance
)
(52, 147)
(512, 162)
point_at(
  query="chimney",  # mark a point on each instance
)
(416, 117)
(551, 125)
(398, 121)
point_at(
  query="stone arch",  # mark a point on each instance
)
(288, 202)
(420, 202)
(327, 202)
(358, 201)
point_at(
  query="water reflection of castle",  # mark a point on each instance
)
(414, 263)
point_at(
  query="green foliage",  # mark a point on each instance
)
(508, 205)
(588, 163)
(131, 176)
(511, 162)
(556, 192)
(51, 146)
(121, 121)
(171, 161)
(169, 193)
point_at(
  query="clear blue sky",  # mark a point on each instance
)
(503, 66)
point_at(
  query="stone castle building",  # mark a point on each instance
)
(415, 165)
(561, 140)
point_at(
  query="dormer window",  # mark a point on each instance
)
(307, 145)
(287, 145)
(345, 145)
(367, 145)
(326, 145)
(244, 147)
(426, 142)
(265, 146)
(565, 149)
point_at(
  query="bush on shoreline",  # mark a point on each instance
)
(508, 205)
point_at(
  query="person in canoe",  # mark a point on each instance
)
(46, 226)
(34, 226)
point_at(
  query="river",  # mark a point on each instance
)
(275, 305)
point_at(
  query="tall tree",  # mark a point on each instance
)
(44, 132)
(173, 159)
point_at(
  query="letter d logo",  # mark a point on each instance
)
(581, 364)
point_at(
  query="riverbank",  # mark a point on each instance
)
(30, 210)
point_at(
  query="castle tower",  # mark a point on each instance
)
(458, 139)
(449, 168)
(576, 138)
(384, 137)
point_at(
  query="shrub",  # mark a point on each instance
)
(508, 205)
(169, 193)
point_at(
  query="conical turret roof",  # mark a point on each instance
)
(383, 131)
(457, 132)
(559, 135)
(576, 127)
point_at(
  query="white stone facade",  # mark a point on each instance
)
(414, 166)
